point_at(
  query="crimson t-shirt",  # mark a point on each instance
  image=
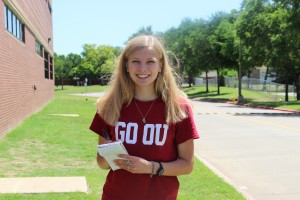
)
(154, 141)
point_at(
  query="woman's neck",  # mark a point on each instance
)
(145, 94)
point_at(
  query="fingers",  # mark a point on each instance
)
(125, 164)
(130, 166)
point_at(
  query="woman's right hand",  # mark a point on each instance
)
(102, 163)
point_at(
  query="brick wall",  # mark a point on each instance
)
(23, 88)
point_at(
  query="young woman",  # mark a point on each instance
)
(146, 110)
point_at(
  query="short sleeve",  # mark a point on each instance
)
(186, 129)
(98, 124)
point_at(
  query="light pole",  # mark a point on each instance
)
(240, 96)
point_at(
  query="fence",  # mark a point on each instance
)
(277, 91)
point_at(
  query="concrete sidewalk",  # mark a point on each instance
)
(43, 185)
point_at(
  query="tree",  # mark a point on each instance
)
(271, 37)
(87, 67)
(200, 49)
(292, 22)
(222, 40)
(106, 62)
(143, 31)
(72, 61)
(177, 42)
(59, 62)
(97, 62)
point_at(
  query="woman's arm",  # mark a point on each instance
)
(102, 163)
(185, 162)
(183, 165)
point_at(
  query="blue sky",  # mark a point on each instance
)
(112, 22)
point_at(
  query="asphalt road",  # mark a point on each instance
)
(255, 150)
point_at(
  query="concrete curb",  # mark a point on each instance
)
(246, 105)
(263, 107)
(32, 185)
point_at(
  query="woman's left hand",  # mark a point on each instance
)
(134, 164)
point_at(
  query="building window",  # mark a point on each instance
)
(18, 28)
(9, 20)
(5, 17)
(51, 68)
(38, 48)
(13, 24)
(21, 33)
(46, 64)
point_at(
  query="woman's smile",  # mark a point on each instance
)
(143, 76)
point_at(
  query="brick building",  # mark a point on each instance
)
(26, 59)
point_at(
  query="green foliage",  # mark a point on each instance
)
(228, 72)
(95, 62)
(59, 61)
(143, 31)
(270, 35)
(72, 61)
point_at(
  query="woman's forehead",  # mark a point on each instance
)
(145, 52)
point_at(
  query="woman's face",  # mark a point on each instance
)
(143, 66)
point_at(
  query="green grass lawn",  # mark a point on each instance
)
(251, 97)
(46, 145)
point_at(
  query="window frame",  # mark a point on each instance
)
(9, 20)
(5, 16)
(46, 64)
(51, 68)
(13, 24)
(38, 48)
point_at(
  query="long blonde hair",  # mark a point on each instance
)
(121, 91)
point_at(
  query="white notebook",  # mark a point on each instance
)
(111, 151)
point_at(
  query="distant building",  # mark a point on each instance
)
(211, 76)
(260, 73)
(26, 59)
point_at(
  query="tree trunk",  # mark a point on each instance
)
(62, 84)
(298, 86)
(206, 75)
(218, 81)
(100, 74)
(190, 80)
(248, 81)
(287, 84)
(101, 79)
(265, 82)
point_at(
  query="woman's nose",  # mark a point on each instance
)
(143, 65)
